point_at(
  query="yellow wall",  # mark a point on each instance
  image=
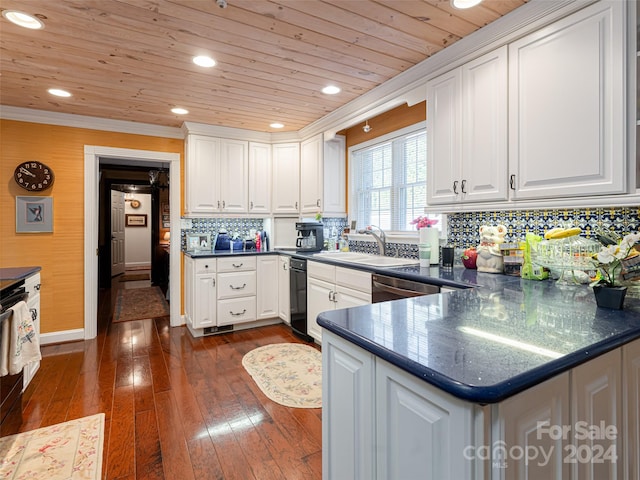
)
(61, 253)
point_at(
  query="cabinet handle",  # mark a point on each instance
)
(335, 299)
(239, 313)
(251, 205)
(330, 298)
(37, 287)
(455, 187)
(238, 288)
(224, 205)
(237, 266)
(318, 203)
(512, 182)
(462, 185)
(284, 266)
(218, 204)
(213, 282)
(34, 314)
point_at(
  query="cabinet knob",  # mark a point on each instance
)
(206, 266)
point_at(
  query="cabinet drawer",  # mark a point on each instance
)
(354, 279)
(204, 265)
(236, 310)
(237, 284)
(321, 271)
(237, 264)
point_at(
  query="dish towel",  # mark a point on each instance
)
(20, 344)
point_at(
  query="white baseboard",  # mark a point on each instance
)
(62, 336)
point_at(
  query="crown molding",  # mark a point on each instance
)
(82, 121)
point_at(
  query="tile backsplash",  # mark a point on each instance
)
(239, 226)
(463, 227)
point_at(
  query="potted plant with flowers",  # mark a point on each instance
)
(423, 222)
(610, 262)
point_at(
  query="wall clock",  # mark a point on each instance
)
(33, 175)
(135, 203)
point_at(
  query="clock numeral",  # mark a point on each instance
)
(34, 164)
(46, 170)
(48, 177)
(39, 185)
(45, 182)
(33, 186)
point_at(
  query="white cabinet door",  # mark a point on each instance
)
(348, 419)
(596, 393)
(348, 297)
(517, 423)
(32, 286)
(284, 295)
(484, 128)
(259, 177)
(286, 177)
(202, 174)
(319, 299)
(444, 95)
(267, 289)
(334, 196)
(311, 179)
(204, 301)
(188, 289)
(422, 432)
(631, 415)
(234, 176)
(467, 125)
(566, 106)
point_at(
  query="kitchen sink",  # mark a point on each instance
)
(366, 259)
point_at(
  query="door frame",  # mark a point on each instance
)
(92, 155)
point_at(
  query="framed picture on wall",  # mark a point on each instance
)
(166, 221)
(198, 242)
(135, 220)
(34, 214)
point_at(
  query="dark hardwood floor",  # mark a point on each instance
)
(176, 407)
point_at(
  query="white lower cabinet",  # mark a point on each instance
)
(236, 290)
(330, 288)
(32, 287)
(200, 292)
(379, 422)
(267, 305)
(284, 295)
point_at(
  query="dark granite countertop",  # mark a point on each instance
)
(9, 277)
(490, 342)
(227, 253)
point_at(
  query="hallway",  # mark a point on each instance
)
(175, 406)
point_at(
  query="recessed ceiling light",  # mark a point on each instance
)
(331, 90)
(180, 111)
(462, 4)
(204, 61)
(276, 125)
(58, 92)
(23, 19)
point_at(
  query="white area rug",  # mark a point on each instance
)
(288, 373)
(69, 450)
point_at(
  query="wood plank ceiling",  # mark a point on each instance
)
(132, 59)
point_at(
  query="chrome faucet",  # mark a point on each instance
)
(381, 239)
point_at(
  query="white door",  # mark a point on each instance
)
(117, 233)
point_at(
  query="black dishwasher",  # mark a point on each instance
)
(298, 297)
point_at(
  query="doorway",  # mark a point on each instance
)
(144, 160)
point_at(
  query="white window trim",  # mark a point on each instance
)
(392, 236)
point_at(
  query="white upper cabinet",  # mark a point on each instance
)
(567, 106)
(216, 175)
(467, 128)
(259, 177)
(234, 176)
(201, 167)
(286, 178)
(323, 176)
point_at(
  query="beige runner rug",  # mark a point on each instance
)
(69, 450)
(287, 373)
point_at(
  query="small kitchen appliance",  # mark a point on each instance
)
(310, 237)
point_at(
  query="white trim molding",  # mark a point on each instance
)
(62, 336)
(92, 155)
(83, 121)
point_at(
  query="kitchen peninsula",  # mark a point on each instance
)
(495, 382)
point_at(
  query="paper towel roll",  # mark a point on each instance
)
(432, 237)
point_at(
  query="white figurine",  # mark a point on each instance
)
(489, 256)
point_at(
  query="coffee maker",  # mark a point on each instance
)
(310, 237)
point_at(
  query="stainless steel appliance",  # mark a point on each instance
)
(310, 236)
(298, 297)
(385, 288)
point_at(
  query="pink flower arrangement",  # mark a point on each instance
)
(423, 222)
